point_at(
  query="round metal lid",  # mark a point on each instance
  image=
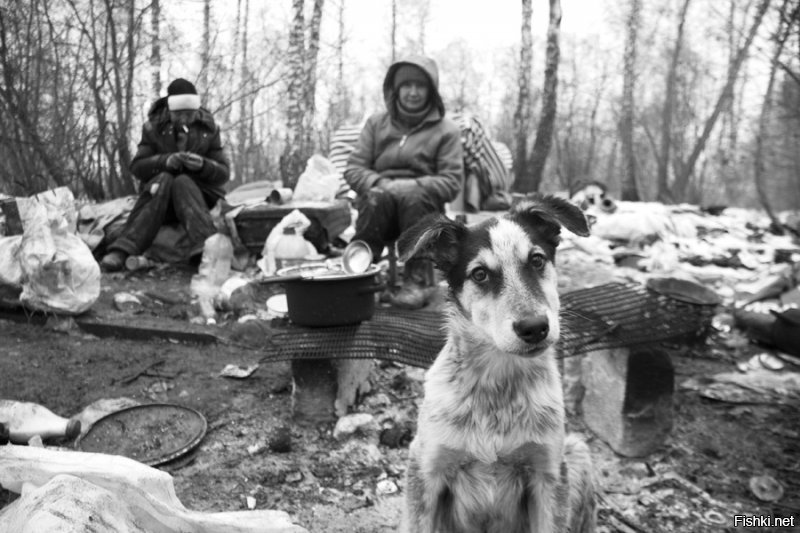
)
(152, 434)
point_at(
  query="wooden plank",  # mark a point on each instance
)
(143, 330)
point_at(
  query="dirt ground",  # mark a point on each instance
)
(256, 453)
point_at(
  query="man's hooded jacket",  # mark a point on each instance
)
(203, 138)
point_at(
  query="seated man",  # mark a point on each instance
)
(182, 166)
(408, 163)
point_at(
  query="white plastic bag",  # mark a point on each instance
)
(10, 269)
(319, 182)
(59, 272)
(301, 223)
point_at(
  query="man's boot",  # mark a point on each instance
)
(419, 284)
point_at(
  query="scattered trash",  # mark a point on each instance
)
(758, 385)
(762, 360)
(127, 302)
(766, 488)
(770, 362)
(277, 305)
(255, 448)
(137, 262)
(715, 517)
(251, 502)
(238, 371)
(386, 487)
(294, 477)
(25, 420)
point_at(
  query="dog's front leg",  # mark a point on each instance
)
(421, 508)
(542, 503)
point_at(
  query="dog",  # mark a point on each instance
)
(593, 198)
(490, 454)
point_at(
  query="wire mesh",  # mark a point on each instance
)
(606, 316)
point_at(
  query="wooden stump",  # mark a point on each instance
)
(325, 389)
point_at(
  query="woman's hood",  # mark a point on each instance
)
(428, 66)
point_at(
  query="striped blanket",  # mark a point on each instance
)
(487, 163)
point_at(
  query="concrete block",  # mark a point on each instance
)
(628, 398)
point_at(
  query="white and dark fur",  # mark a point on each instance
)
(490, 454)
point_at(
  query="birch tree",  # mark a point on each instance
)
(241, 161)
(522, 115)
(301, 90)
(663, 158)
(155, 46)
(544, 131)
(630, 191)
(205, 45)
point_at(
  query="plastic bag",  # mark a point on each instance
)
(301, 223)
(59, 206)
(319, 182)
(10, 269)
(59, 272)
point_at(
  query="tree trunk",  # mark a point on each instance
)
(687, 169)
(630, 191)
(301, 92)
(781, 36)
(155, 47)
(393, 31)
(244, 76)
(310, 84)
(662, 178)
(205, 53)
(522, 115)
(125, 118)
(544, 131)
(423, 12)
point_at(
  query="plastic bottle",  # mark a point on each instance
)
(214, 269)
(291, 249)
(24, 420)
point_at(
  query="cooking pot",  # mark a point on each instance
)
(317, 295)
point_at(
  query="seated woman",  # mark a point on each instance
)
(408, 163)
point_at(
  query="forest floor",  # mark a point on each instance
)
(255, 454)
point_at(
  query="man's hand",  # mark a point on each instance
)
(191, 161)
(174, 162)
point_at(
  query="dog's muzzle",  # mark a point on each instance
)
(532, 330)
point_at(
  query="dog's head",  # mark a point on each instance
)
(501, 272)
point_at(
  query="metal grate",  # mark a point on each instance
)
(409, 337)
(627, 314)
(607, 316)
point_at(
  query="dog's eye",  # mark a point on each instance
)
(479, 275)
(538, 261)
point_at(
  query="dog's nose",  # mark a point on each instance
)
(532, 330)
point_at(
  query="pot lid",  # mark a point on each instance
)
(684, 291)
(152, 434)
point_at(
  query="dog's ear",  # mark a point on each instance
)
(436, 237)
(555, 209)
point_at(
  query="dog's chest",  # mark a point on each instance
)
(491, 417)
(494, 496)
